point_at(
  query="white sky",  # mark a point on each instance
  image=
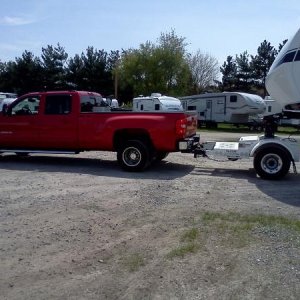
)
(217, 27)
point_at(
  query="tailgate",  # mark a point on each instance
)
(191, 125)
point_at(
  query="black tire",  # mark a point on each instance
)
(133, 156)
(272, 163)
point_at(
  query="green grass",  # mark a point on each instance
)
(251, 221)
(183, 250)
(188, 244)
(233, 231)
(237, 231)
(133, 262)
(190, 235)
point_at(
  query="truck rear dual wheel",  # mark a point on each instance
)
(272, 163)
(133, 156)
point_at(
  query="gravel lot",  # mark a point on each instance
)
(77, 227)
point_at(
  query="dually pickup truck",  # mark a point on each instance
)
(76, 121)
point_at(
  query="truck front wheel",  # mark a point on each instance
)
(272, 163)
(133, 156)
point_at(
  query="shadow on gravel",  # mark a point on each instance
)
(163, 170)
(286, 190)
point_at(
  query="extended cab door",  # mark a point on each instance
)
(59, 125)
(19, 125)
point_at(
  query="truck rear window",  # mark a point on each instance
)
(91, 103)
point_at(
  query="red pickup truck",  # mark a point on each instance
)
(75, 121)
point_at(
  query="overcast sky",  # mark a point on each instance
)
(217, 27)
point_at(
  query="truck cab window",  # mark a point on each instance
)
(58, 104)
(27, 106)
(93, 104)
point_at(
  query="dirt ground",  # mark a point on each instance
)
(78, 227)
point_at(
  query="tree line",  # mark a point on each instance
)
(164, 66)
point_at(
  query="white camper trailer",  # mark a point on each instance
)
(226, 107)
(156, 102)
(6, 99)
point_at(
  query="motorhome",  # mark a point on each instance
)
(156, 102)
(226, 107)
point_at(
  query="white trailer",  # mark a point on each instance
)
(272, 155)
(6, 99)
(226, 107)
(156, 102)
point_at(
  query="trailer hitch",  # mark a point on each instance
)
(199, 151)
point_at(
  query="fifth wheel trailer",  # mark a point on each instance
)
(226, 107)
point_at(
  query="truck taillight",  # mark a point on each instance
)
(181, 126)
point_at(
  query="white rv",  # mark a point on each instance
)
(226, 107)
(156, 102)
(6, 99)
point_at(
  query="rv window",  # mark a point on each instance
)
(269, 108)
(297, 56)
(202, 113)
(192, 108)
(233, 98)
(156, 107)
(142, 107)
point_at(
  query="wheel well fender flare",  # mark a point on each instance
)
(121, 136)
(258, 148)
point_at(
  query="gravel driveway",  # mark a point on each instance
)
(77, 227)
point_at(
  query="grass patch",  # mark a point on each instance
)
(183, 250)
(250, 221)
(133, 262)
(190, 235)
(188, 244)
(237, 231)
(233, 231)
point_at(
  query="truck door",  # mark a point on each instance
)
(19, 125)
(59, 125)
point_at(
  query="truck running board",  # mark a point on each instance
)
(39, 151)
